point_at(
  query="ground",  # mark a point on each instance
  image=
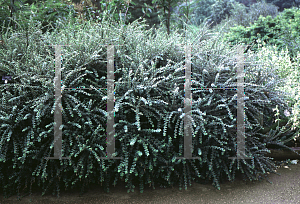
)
(284, 189)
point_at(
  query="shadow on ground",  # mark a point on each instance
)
(284, 189)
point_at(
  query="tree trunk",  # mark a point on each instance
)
(285, 154)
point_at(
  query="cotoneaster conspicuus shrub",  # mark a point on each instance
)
(149, 109)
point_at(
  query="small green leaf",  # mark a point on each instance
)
(199, 151)
(132, 142)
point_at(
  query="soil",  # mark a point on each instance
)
(284, 189)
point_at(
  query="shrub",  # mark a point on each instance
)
(149, 102)
(283, 4)
(271, 57)
(221, 9)
(280, 31)
(46, 12)
(202, 11)
(241, 15)
(206, 10)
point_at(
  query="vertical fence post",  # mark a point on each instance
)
(240, 107)
(188, 145)
(110, 131)
(58, 107)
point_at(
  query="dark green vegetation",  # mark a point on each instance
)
(149, 151)
(281, 31)
(46, 12)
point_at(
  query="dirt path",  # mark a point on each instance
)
(285, 189)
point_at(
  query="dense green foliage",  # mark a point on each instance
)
(90, 10)
(149, 104)
(281, 31)
(217, 12)
(46, 12)
(221, 9)
(202, 12)
(282, 4)
(49, 11)
(7, 9)
(242, 15)
(212, 10)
